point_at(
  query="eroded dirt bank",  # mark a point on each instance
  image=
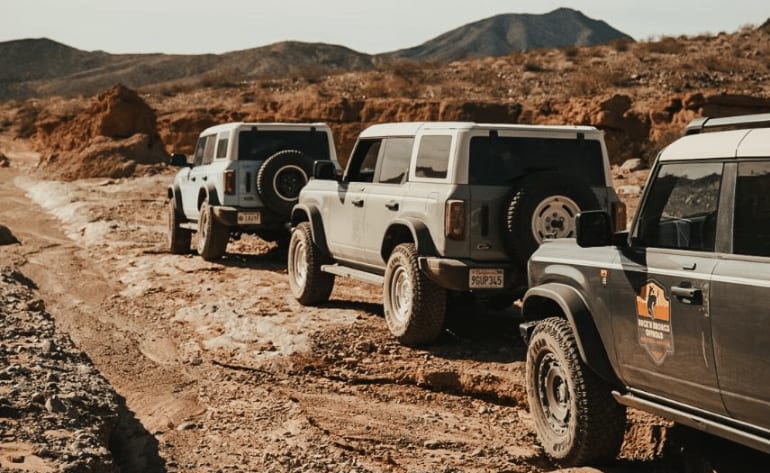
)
(221, 370)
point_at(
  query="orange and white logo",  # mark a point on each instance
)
(653, 311)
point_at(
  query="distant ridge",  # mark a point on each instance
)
(501, 34)
(43, 67)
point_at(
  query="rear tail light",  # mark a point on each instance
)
(455, 220)
(619, 216)
(230, 181)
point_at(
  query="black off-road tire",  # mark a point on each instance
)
(544, 205)
(415, 306)
(309, 285)
(178, 238)
(281, 177)
(212, 235)
(576, 418)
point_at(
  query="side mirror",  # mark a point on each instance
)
(594, 228)
(178, 160)
(324, 169)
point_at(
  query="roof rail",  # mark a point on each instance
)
(700, 125)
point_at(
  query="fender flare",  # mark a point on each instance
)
(174, 192)
(577, 313)
(210, 192)
(304, 213)
(419, 232)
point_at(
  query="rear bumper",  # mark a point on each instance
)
(268, 220)
(454, 274)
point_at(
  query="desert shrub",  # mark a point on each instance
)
(309, 74)
(532, 66)
(665, 45)
(5, 123)
(571, 51)
(621, 45)
(405, 68)
(714, 62)
(26, 116)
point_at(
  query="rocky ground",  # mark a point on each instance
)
(218, 369)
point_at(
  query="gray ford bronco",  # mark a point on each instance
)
(670, 317)
(431, 210)
(245, 178)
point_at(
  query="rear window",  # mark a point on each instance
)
(258, 145)
(433, 156)
(498, 161)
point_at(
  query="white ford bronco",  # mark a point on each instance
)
(431, 210)
(245, 178)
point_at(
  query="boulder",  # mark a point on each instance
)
(6, 236)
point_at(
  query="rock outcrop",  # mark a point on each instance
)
(116, 136)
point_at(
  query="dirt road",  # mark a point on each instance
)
(221, 370)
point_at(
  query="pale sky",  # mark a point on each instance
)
(192, 26)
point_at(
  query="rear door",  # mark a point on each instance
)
(740, 296)
(661, 302)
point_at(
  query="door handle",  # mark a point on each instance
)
(358, 202)
(392, 205)
(687, 295)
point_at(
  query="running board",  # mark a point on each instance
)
(189, 226)
(356, 274)
(699, 422)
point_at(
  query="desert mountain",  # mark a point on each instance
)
(501, 34)
(42, 67)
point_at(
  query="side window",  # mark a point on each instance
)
(751, 227)
(681, 208)
(433, 156)
(208, 150)
(364, 161)
(222, 148)
(198, 159)
(395, 160)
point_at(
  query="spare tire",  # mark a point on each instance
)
(543, 206)
(281, 177)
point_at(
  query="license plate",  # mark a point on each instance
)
(486, 278)
(249, 218)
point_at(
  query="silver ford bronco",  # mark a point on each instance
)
(434, 210)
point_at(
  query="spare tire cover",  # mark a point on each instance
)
(543, 205)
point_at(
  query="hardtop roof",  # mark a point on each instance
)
(412, 128)
(719, 145)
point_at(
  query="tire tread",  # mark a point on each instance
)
(600, 419)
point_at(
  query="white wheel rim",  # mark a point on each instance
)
(553, 393)
(299, 263)
(554, 217)
(203, 223)
(401, 295)
(288, 181)
(171, 221)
